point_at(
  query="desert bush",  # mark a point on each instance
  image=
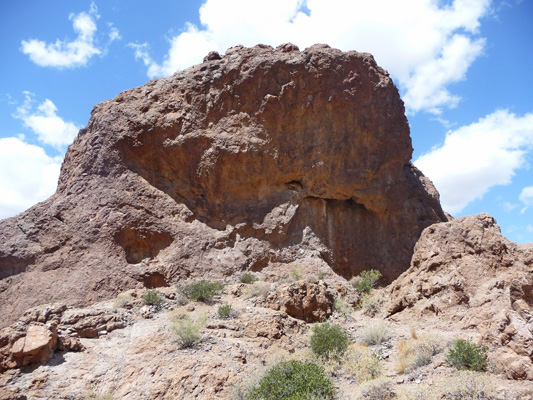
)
(105, 396)
(341, 306)
(321, 275)
(203, 290)
(378, 390)
(293, 380)
(327, 339)
(468, 385)
(225, 311)
(152, 298)
(366, 280)
(415, 353)
(296, 274)
(374, 333)
(258, 289)
(188, 331)
(465, 355)
(248, 278)
(370, 304)
(123, 300)
(361, 363)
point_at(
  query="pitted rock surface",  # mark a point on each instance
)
(263, 155)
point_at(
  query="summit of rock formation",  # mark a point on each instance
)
(260, 156)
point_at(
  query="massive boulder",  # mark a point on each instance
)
(464, 273)
(264, 155)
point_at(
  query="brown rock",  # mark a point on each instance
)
(263, 155)
(466, 272)
(310, 302)
(36, 346)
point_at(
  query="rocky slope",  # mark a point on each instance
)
(464, 274)
(260, 157)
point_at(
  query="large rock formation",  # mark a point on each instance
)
(261, 156)
(464, 273)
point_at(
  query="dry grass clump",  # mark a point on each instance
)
(361, 363)
(341, 306)
(374, 334)
(469, 385)
(415, 353)
(370, 304)
(123, 301)
(258, 289)
(378, 389)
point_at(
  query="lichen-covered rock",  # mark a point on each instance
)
(310, 302)
(465, 272)
(263, 155)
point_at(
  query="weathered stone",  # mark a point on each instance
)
(310, 302)
(263, 155)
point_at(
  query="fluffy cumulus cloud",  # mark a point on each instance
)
(43, 120)
(526, 197)
(425, 44)
(28, 175)
(476, 157)
(70, 54)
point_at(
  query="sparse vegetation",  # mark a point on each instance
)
(328, 338)
(341, 306)
(105, 396)
(151, 298)
(203, 290)
(296, 274)
(416, 352)
(293, 380)
(248, 278)
(467, 385)
(378, 390)
(370, 304)
(321, 276)
(258, 289)
(188, 330)
(465, 355)
(123, 300)
(225, 311)
(366, 280)
(375, 333)
(360, 363)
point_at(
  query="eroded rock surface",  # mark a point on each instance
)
(256, 157)
(465, 273)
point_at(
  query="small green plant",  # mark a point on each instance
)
(375, 333)
(321, 276)
(203, 290)
(225, 311)
(465, 355)
(366, 280)
(327, 339)
(248, 278)
(293, 380)
(296, 274)
(151, 298)
(188, 331)
(341, 306)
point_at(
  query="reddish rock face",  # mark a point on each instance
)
(261, 156)
(464, 273)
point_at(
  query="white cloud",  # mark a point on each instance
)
(70, 54)
(44, 121)
(425, 44)
(28, 175)
(508, 207)
(526, 197)
(476, 157)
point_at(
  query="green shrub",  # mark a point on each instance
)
(296, 274)
(366, 280)
(328, 339)
(203, 290)
(248, 277)
(465, 355)
(225, 311)
(151, 298)
(188, 331)
(321, 276)
(293, 380)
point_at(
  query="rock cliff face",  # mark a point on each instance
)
(465, 273)
(261, 156)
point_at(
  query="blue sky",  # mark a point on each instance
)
(463, 68)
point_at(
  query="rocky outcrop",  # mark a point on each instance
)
(309, 302)
(465, 273)
(263, 155)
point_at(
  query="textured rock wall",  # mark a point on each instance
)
(261, 156)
